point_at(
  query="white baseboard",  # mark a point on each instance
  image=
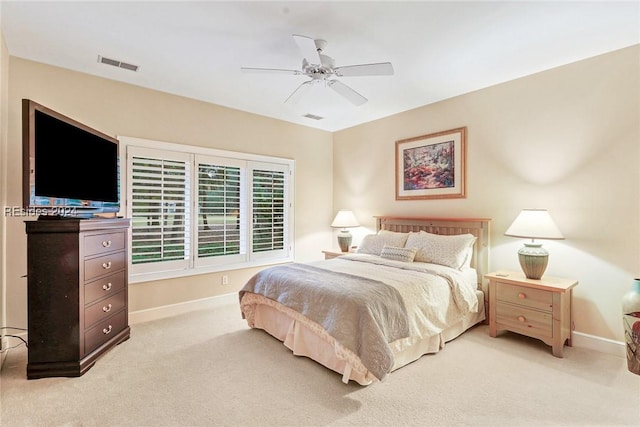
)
(603, 345)
(161, 312)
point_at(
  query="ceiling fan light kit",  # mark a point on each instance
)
(321, 68)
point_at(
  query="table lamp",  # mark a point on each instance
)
(534, 224)
(344, 219)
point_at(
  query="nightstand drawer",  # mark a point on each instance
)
(528, 297)
(525, 321)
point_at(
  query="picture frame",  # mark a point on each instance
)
(432, 166)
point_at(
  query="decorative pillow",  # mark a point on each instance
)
(398, 254)
(451, 251)
(373, 243)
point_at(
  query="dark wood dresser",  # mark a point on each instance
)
(77, 293)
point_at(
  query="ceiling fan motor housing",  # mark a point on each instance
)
(321, 71)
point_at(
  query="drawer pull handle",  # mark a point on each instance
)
(522, 295)
(107, 331)
(107, 308)
(106, 265)
(107, 287)
(106, 243)
(522, 319)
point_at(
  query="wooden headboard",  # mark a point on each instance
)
(479, 227)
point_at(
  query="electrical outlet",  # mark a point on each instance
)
(225, 280)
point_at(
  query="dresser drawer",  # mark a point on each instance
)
(104, 330)
(104, 308)
(104, 287)
(101, 243)
(529, 322)
(100, 266)
(528, 297)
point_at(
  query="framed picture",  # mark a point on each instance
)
(432, 166)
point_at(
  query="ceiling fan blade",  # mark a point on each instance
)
(351, 95)
(300, 91)
(379, 69)
(308, 48)
(270, 70)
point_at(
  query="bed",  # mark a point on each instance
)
(414, 285)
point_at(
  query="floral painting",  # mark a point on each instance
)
(431, 166)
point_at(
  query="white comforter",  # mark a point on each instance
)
(433, 296)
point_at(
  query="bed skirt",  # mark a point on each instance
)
(306, 338)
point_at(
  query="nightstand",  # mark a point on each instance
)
(333, 253)
(537, 308)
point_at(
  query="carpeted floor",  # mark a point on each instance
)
(206, 368)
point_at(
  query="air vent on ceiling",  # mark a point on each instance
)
(313, 116)
(116, 63)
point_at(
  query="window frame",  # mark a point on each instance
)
(195, 265)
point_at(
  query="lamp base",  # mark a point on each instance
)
(344, 240)
(533, 260)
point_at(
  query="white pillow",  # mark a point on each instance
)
(374, 243)
(467, 258)
(451, 251)
(398, 254)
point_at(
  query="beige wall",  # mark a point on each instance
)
(567, 140)
(120, 109)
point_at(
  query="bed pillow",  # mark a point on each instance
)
(467, 258)
(374, 243)
(398, 254)
(451, 251)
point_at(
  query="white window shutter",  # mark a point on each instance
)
(269, 210)
(159, 211)
(220, 211)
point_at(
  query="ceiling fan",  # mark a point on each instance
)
(321, 68)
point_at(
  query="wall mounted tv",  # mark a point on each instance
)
(69, 169)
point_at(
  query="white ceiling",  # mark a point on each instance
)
(196, 49)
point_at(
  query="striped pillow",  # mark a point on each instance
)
(398, 254)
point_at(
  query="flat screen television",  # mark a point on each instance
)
(69, 169)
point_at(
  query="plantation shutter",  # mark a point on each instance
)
(269, 209)
(199, 210)
(160, 215)
(220, 211)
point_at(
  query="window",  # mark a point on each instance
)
(195, 210)
(269, 231)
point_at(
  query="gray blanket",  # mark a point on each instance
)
(363, 315)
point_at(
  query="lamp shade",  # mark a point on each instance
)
(345, 219)
(534, 224)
